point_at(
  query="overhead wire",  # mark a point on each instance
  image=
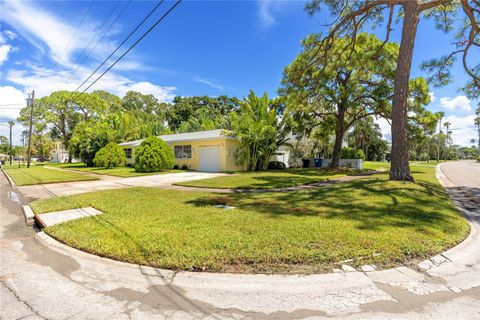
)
(135, 43)
(75, 32)
(122, 43)
(93, 38)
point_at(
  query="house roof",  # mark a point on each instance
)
(184, 137)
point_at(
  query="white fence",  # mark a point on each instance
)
(349, 163)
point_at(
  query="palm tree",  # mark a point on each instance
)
(440, 115)
(447, 125)
(260, 131)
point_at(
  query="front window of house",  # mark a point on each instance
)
(128, 153)
(183, 152)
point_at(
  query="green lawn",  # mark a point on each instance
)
(370, 220)
(40, 175)
(268, 179)
(124, 172)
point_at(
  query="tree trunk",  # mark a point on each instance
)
(339, 132)
(399, 168)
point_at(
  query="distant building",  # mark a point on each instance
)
(60, 154)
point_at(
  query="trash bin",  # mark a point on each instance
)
(318, 163)
(306, 163)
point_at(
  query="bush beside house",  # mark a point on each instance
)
(153, 155)
(110, 156)
(350, 153)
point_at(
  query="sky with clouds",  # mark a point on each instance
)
(202, 48)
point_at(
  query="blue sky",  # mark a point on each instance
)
(202, 48)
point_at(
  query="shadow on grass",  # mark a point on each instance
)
(292, 177)
(372, 204)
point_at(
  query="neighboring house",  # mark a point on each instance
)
(60, 154)
(210, 151)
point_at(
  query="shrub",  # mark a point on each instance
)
(110, 156)
(347, 153)
(276, 165)
(153, 155)
(350, 153)
(185, 167)
(360, 155)
(412, 155)
(424, 156)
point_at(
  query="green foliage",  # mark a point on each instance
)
(360, 154)
(88, 138)
(259, 130)
(350, 153)
(188, 114)
(153, 155)
(336, 93)
(412, 155)
(110, 156)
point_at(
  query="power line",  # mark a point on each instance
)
(11, 104)
(75, 32)
(102, 37)
(94, 36)
(136, 42)
(122, 43)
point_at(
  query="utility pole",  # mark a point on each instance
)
(30, 101)
(10, 124)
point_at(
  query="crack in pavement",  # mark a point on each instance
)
(15, 294)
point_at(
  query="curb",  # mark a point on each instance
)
(10, 180)
(29, 215)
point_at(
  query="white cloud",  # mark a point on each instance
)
(11, 100)
(432, 97)
(457, 103)
(463, 129)
(42, 28)
(385, 127)
(208, 82)
(4, 50)
(268, 11)
(44, 81)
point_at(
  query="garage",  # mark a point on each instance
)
(209, 158)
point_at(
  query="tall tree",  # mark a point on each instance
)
(448, 132)
(354, 15)
(184, 109)
(349, 87)
(477, 123)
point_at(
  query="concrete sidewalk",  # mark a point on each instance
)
(45, 191)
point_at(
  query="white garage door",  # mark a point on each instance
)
(209, 159)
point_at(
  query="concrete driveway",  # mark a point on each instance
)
(68, 188)
(43, 279)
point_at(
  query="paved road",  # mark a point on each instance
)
(55, 282)
(463, 173)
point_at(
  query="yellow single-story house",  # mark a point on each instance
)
(210, 151)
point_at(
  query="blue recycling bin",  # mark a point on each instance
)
(318, 163)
